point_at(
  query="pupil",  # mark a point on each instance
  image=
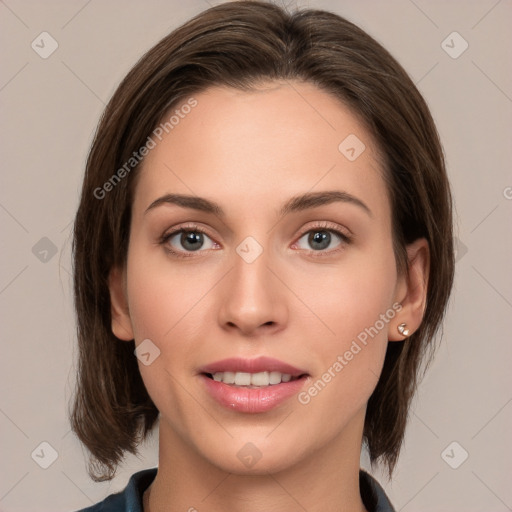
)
(192, 240)
(320, 237)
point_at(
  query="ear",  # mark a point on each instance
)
(121, 323)
(412, 290)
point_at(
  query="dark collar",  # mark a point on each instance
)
(373, 495)
(130, 499)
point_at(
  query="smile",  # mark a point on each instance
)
(260, 379)
(252, 385)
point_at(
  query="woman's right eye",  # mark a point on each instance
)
(184, 242)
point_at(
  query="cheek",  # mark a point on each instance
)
(356, 304)
(169, 307)
(164, 312)
(351, 298)
(160, 296)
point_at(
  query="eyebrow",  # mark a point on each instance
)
(294, 204)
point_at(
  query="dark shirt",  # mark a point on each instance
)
(130, 500)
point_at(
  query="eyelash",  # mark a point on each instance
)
(324, 226)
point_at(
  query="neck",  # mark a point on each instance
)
(326, 480)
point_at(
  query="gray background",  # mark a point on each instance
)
(50, 108)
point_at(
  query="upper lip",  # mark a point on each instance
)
(259, 364)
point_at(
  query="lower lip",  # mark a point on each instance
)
(253, 400)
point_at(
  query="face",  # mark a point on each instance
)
(269, 302)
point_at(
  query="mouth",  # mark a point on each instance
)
(253, 380)
(252, 385)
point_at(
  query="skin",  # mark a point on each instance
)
(250, 152)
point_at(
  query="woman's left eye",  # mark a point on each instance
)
(320, 239)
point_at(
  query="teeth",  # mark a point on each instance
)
(229, 377)
(242, 379)
(275, 377)
(259, 379)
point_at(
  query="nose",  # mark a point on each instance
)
(253, 298)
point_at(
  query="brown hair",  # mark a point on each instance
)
(241, 44)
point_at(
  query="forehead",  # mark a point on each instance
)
(255, 147)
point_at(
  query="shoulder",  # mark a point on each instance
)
(373, 495)
(128, 500)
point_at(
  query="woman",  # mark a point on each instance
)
(263, 255)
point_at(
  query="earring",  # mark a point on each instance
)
(402, 329)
